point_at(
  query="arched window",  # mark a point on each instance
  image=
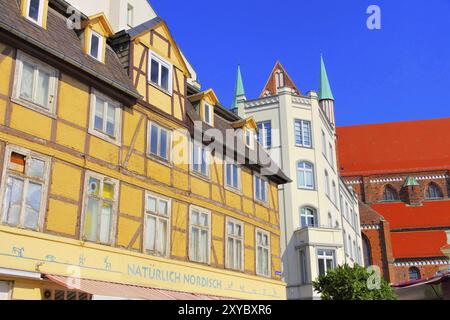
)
(308, 217)
(433, 192)
(305, 175)
(390, 194)
(333, 193)
(280, 79)
(414, 273)
(366, 252)
(327, 183)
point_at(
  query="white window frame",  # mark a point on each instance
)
(115, 207)
(99, 56)
(269, 257)
(250, 134)
(309, 212)
(40, 14)
(239, 179)
(158, 217)
(9, 285)
(169, 142)
(266, 126)
(305, 171)
(45, 183)
(208, 251)
(325, 257)
(52, 86)
(210, 111)
(266, 196)
(302, 124)
(234, 238)
(116, 139)
(194, 144)
(130, 19)
(161, 61)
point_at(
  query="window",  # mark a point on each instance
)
(347, 214)
(262, 253)
(366, 251)
(100, 208)
(159, 141)
(303, 267)
(305, 175)
(324, 144)
(279, 79)
(232, 174)
(308, 217)
(260, 188)
(333, 193)
(345, 243)
(249, 137)
(330, 220)
(35, 84)
(200, 159)
(130, 16)
(414, 273)
(35, 11)
(157, 225)
(235, 245)
(96, 46)
(433, 192)
(160, 73)
(265, 134)
(199, 235)
(302, 129)
(330, 147)
(208, 114)
(24, 188)
(390, 194)
(5, 290)
(341, 204)
(327, 184)
(325, 260)
(350, 249)
(105, 118)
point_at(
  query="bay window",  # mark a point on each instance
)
(326, 261)
(302, 129)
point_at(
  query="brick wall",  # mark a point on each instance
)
(426, 271)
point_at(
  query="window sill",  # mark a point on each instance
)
(160, 160)
(234, 190)
(306, 189)
(34, 107)
(304, 147)
(262, 203)
(200, 176)
(104, 137)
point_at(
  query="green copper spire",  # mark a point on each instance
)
(410, 182)
(240, 92)
(325, 89)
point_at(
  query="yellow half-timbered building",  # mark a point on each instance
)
(104, 191)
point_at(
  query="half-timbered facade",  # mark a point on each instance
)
(102, 181)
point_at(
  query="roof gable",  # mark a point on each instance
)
(102, 22)
(270, 87)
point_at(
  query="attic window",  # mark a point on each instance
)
(35, 10)
(249, 137)
(96, 46)
(160, 73)
(208, 114)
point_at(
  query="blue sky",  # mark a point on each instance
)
(401, 72)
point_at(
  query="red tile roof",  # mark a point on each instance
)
(419, 244)
(430, 214)
(394, 147)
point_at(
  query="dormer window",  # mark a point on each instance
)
(35, 11)
(249, 138)
(160, 73)
(208, 114)
(96, 46)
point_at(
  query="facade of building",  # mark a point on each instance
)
(319, 213)
(400, 172)
(104, 191)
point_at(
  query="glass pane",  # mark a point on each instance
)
(204, 219)
(105, 222)
(257, 188)
(195, 217)
(154, 140)
(230, 253)
(33, 205)
(329, 264)
(91, 220)
(26, 86)
(204, 163)
(162, 236)
(301, 178)
(13, 200)
(164, 78)
(265, 262)
(235, 176)
(321, 267)
(151, 204)
(110, 120)
(238, 256)
(163, 144)
(36, 168)
(108, 191)
(95, 45)
(43, 87)
(163, 207)
(99, 116)
(94, 186)
(260, 260)
(150, 233)
(263, 190)
(204, 246)
(194, 243)
(230, 228)
(154, 77)
(238, 230)
(228, 171)
(33, 13)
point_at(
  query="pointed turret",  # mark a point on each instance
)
(326, 98)
(239, 93)
(278, 80)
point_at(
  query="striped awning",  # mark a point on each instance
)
(105, 290)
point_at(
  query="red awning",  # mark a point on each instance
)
(125, 291)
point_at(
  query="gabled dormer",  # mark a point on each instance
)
(96, 30)
(249, 129)
(204, 103)
(36, 11)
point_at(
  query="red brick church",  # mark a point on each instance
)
(400, 171)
